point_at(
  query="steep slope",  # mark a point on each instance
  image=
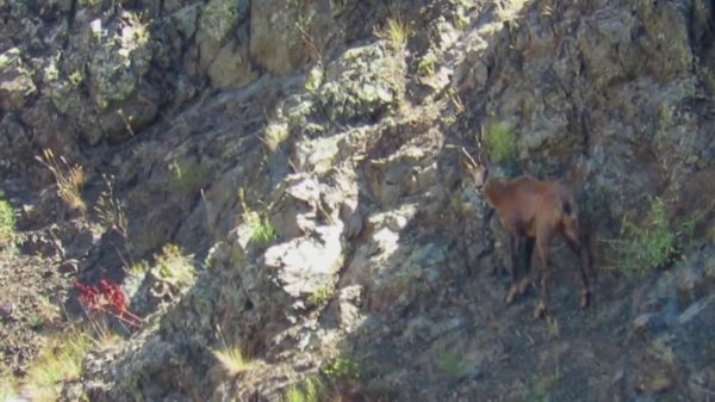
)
(306, 153)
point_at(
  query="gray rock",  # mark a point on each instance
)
(16, 82)
(294, 263)
(364, 82)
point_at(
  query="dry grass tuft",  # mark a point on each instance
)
(70, 179)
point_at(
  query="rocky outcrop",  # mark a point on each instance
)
(310, 164)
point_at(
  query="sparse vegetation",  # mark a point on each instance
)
(553, 327)
(70, 179)
(7, 222)
(187, 177)
(59, 361)
(656, 241)
(174, 267)
(327, 385)
(275, 134)
(102, 336)
(310, 390)
(452, 364)
(88, 3)
(501, 143)
(110, 211)
(322, 295)
(8, 390)
(76, 78)
(396, 32)
(314, 79)
(262, 230)
(139, 269)
(541, 387)
(342, 369)
(427, 65)
(47, 313)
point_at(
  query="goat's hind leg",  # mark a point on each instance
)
(542, 248)
(582, 253)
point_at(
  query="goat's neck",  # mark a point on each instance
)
(494, 190)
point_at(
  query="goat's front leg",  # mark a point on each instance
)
(527, 279)
(514, 246)
(542, 248)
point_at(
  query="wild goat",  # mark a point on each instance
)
(534, 211)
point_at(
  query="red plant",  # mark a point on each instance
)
(109, 298)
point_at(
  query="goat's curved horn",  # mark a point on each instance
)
(469, 157)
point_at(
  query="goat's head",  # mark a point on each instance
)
(477, 172)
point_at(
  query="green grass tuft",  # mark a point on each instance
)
(264, 232)
(7, 222)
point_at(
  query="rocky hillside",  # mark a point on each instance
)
(275, 187)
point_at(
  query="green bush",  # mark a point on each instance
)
(7, 222)
(501, 143)
(651, 244)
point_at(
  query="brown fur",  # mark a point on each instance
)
(535, 211)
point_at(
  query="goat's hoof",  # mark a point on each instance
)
(585, 299)
(511, 296)
(524, 286)
(540, 311)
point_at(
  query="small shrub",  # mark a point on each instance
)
(174, 267)
(427, 65)
(322, 295)
(342, 369)
(649, 245)
(7, 222)
(501, 143)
